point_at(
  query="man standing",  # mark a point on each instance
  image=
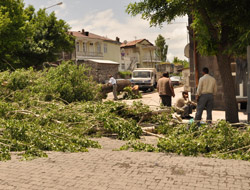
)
(165, 90)
(112, 81)
(186, 105)
(207, 88)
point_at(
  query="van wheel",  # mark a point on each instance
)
(152, 89)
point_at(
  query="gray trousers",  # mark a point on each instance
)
(205, 101)
(115, 91)
(187, 110)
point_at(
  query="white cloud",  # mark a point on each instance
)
(104, 23)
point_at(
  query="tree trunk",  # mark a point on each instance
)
(121, 84)
(231, 108)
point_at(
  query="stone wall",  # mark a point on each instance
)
(101, 71)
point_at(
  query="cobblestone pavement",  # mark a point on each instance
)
(105, 169)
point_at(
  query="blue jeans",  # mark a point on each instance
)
(205, 101)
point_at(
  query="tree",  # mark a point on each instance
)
(49, 37)
(221, 27)
(184, 63)
(28, 38)
(162, 48)
(13, 28)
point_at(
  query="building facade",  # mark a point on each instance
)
(138, 54)
(92, 46)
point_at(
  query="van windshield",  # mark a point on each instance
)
(142, 74)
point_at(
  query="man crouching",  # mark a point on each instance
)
(186, 106)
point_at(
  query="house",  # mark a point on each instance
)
(92, 46)
(137, 54)
(99, 53)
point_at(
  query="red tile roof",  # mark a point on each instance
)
(90, 35)
(133, 43)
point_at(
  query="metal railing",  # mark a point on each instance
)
(89, 54)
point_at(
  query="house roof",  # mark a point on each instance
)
(133, 43)
(90, 35)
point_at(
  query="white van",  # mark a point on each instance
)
(145, 78)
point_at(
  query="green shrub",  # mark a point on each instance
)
(71, 82)
(125, 74)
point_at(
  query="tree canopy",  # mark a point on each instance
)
(162, 48)
(178, 61)
(13, 29)
(29, 38)
(216, 22)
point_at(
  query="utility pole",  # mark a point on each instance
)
(248, 83)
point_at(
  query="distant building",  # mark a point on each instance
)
(178, 68)
(164, 67)
(138, 54)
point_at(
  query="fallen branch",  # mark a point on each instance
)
(152, 134)
(235, 150)
(150, 114)
(26, 112)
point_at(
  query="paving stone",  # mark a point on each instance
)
(104, 169)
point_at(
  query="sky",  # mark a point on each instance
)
(108, 18)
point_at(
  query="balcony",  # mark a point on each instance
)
(85, 55)
(149, 59)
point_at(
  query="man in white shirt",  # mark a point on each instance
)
(206, 90)
(112, 81)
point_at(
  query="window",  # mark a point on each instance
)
(77, 46)
(84, 48)
(123, 66)
(141, 74)
(105, 48)
(98, 46)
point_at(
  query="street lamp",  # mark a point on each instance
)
(60, 3)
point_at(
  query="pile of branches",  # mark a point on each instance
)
(220, 140)
(57, 110)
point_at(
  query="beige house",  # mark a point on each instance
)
(138, 54)
(92, 46)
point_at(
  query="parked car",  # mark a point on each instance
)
(175, 80)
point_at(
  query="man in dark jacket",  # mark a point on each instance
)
(165, 90)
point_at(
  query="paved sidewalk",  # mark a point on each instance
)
(104, 169)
